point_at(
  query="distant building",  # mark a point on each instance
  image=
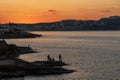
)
(3, 29)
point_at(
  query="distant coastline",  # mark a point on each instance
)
(110, 23)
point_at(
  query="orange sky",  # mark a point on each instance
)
(34, 11)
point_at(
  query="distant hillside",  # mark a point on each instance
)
(110, 23)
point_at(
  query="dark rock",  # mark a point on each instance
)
(14, 67)
(11, 66)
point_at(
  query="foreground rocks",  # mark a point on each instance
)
(12, 66)
(26, 50)
(11, 50)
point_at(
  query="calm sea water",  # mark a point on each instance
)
(94, 55)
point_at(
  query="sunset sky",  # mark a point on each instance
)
(34, 11)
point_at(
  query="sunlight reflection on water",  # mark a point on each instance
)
(94, 55)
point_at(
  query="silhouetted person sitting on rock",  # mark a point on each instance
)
(53, 59)
(60, 58)
(28, 45)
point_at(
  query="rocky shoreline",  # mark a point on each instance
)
(26, 50)
(12, 66)
(17, 34)
(21, 68)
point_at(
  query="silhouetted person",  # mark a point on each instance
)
(60, 58)
(49, 58)
(53, 59)
(28, 45)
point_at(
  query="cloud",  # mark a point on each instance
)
(108, 10)
(112, 8)
(52, 11)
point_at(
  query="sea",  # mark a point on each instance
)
(94, 55)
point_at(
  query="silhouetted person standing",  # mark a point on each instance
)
(53, 59)
(60, 58)
(48, 57)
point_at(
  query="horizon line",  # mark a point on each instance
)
(60, 20)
